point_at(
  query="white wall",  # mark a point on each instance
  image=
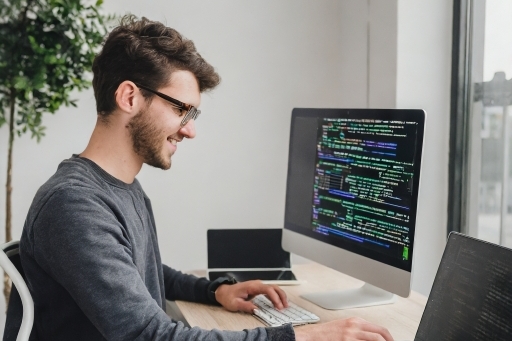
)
(409, 66)
(423, 81)
(382, 53)
(272, 56)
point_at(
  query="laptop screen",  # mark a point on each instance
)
(246, 248)
(471, 298)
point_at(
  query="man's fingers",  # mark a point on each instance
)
(246, 306)
(282, 296)
(239, 296)
(373, 328)
(368, 336)
(367, 331)
(276, 295)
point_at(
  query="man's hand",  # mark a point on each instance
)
(237, 297)
(351, 329)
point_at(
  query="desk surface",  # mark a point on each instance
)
(401, 318)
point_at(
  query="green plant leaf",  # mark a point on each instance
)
(46, 55)
(21, 82)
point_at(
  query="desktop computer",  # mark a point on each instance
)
(351, 198)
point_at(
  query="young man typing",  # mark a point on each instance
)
(89, 245)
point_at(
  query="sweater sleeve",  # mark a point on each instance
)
(180, 286)
(80, 243)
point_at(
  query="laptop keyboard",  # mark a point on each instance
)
(273, 317)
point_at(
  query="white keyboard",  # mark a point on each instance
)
(273, 317)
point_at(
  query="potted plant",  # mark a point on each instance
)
(46, 50)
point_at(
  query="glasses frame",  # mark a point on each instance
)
(192, 112)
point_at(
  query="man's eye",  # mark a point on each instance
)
(179, 112)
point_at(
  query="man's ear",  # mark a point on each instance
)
(128, 98)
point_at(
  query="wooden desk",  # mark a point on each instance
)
(401, 318)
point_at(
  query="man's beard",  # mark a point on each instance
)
(147, 140)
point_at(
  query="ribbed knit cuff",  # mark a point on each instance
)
(282, 333)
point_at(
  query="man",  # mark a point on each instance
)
(89, 245)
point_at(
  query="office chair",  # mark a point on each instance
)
(21, 305)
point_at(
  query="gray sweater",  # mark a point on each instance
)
(90, 254)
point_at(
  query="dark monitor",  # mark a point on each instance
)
(351, 197)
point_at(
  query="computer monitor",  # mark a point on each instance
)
(351, 198)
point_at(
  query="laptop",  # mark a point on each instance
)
(471, 298)
(248, 254)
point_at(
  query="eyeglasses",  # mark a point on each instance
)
(192, 112)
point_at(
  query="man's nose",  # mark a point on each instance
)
(189, 129)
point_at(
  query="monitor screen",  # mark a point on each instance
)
(353, 178)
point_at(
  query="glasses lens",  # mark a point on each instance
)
(193, 113)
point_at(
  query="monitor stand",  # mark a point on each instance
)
(365, 296)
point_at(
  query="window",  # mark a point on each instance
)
(480, 195)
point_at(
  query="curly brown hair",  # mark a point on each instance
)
(145, 52)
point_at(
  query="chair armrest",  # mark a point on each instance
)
(26, 299)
